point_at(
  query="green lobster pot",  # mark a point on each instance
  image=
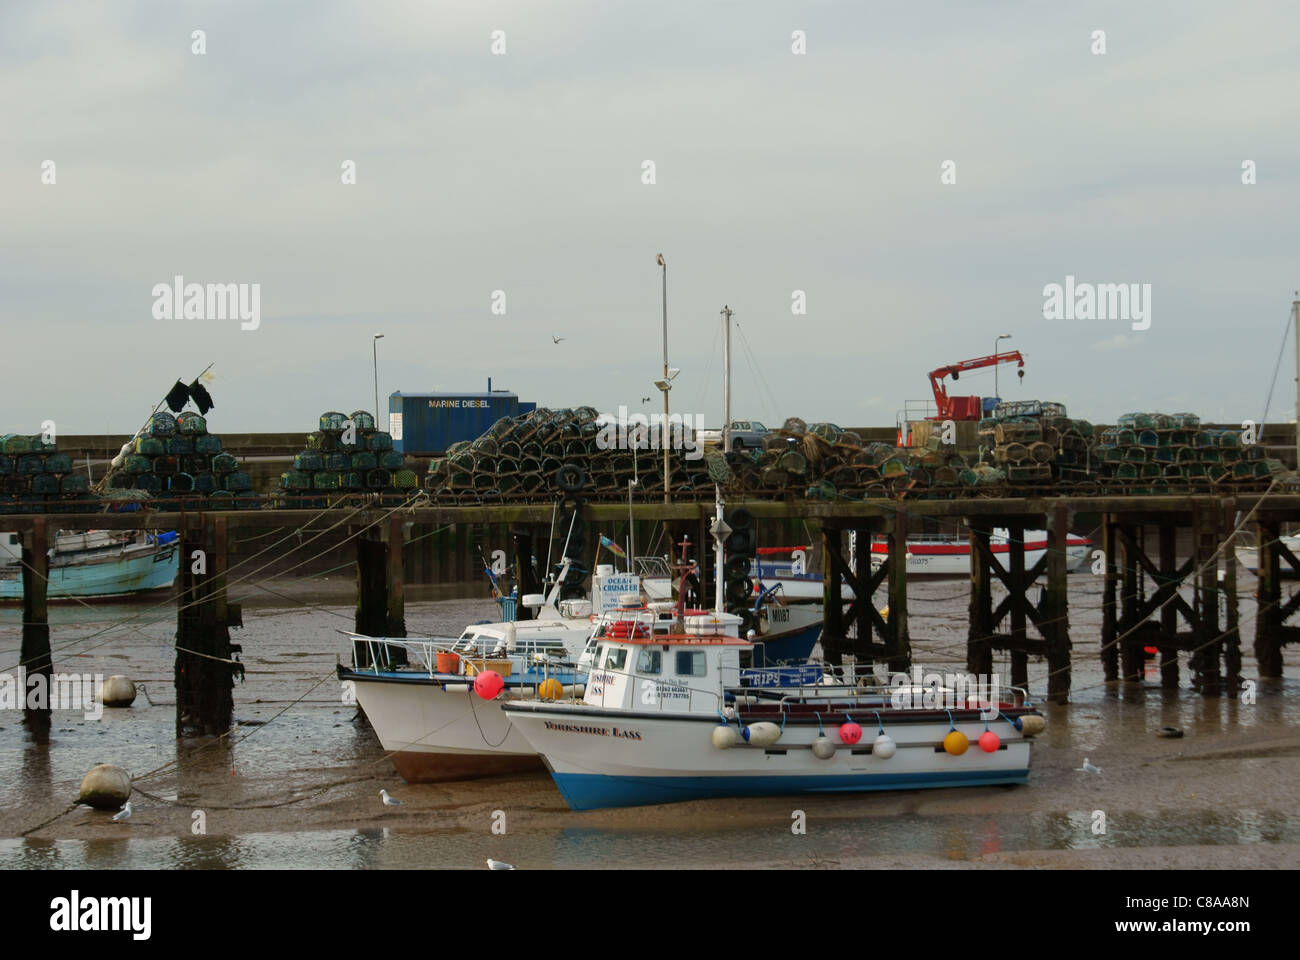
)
(58, 463)
(353, 480)
(30, 463)
(191, 424)
(337, 461)
(363, 461)
(221, 500)
(325, 480)
(208, 444)
(32, 503)
(392, 460)
(6, 464)
(166, 466)
(45, 483)
(180, 483)
(13, 443)
(237, 482)
(40, 445)
(333, 422)
(378, 479)
(309, 461)
(380, 440)
(204, 482)
(224, 463)
(405, 480)
(179, 445)
(196, 463)
(295, 480)
(135, 463)
(74, 483)
(149, 482)
(322, 442)
(161, 424)
(362, 420)
(149, 447)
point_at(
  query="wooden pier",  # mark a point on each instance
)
(1142, 607)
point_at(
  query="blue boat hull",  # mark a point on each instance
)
(589, 791)
(793, 647)
(102, 577)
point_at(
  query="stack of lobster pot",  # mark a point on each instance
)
(345, 455)
(1159, 452)
(36, 478)
(176, 462)
(1034, 441)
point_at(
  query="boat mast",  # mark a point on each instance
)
(726, 379)
(1295, 309)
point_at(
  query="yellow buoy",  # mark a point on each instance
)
(955, 743)
(551, 689)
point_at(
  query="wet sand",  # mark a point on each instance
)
(1223, 796)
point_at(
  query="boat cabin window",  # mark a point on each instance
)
(690, 663)
(650, 661)
(13, 538)
(616, 658)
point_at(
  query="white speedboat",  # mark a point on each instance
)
(947, 556)
(669, 717)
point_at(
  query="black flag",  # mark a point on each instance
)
(177, 397)
(202, 399)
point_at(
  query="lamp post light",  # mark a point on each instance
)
(663, 435)
(1001, 337)
(374, 349)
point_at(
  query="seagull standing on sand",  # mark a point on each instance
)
(123, 814)
(389, 801)
(498, 865)
(1088, 767)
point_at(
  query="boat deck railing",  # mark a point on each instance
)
(525, 654)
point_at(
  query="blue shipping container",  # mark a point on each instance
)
(426, 424)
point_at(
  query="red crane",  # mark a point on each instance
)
(967, 408)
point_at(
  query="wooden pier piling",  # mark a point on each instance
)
(34, 653)
(205, 668)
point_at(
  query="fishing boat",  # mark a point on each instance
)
(418, 693)
(94, 563)
(667, 717)
(948, 556)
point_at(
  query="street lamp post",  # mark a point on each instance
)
(374, 349)
(1001, 336)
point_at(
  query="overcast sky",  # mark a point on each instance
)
(522, 172)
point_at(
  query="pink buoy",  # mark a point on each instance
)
(488, 684)
(989, 741)
(850, 732)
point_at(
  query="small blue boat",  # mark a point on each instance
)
(95, 563)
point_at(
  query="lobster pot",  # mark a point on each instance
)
(333, 422)
(191, 424)
(40, 445)
(208, 444)
(238, 482)
(149, 447)
(325, 480)
(180, 445)
(119, 480)
(221, 500)
(353, 480)
(405, 480)
(362, 420)
(363, 461)
(224, 463)
(165, 466)
(204, 482)
(12, 443)
(180, 483)
(149, 482)
(309, 461)
(58, 463)
(391, 460)
(161, 424)
(196, 463)
(295, 480)
(322, 442)
(378, 479)
(6, 464)
(16, 484)
(379, 440)
(135, 463)
(337, 461)
(31, 463)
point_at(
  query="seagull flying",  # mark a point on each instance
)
(498, 865)
(556, 339)
(389, 801)
(645, 399)
(123, 814)
(1088, 767)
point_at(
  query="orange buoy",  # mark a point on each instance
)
(955, 743)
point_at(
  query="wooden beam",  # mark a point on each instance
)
(34, 651)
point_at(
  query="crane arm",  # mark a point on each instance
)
(993, 359)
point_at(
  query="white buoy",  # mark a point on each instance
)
(117, 691)
(724, 736)
(105, 787)
(883, 747)
(761, 734)
(822, 748)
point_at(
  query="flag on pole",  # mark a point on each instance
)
(612, 547)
